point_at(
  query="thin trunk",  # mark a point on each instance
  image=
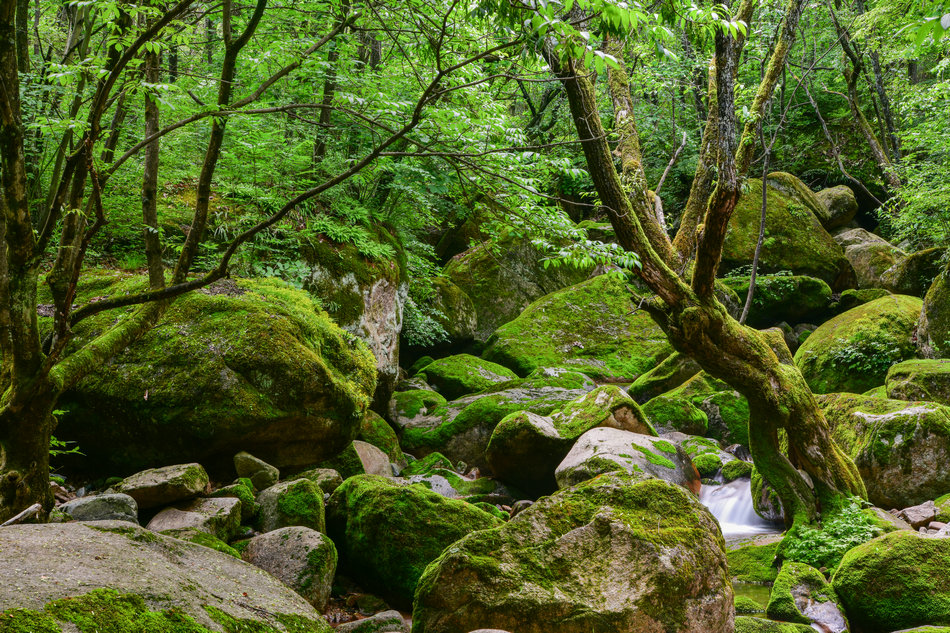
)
(115, 127)
(153, 246)
(23, 35)
(885, 107)
(173, 64)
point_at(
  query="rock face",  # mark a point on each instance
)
(933, 330)
(459, 318)
(900, 448)
(591, 327)
(853, 351)
(387, 533)
(801, 594)
(896, 581)
(795, 240)
(365, 296)
(838, 206)
(461, 429)
(610, 555)
(463, 374)
(870, 256)
(789, 298)
(525, 448)
(244, 365)
(920, 380)
(604, 450)
(301, 558)
(161, 486)
(501, 280)
(113, 576)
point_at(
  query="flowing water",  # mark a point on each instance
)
(731, 504)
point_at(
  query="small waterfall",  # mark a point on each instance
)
(731, 504)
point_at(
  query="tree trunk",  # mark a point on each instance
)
(153, 246)
(25, 429)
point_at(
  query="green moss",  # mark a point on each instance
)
(243, 490)
(747, 624)
(27, 621)
(492, 510)
(427, 464)
(927, 380)
(708, 464)
(853, 351)
(301, 503)
(591, 327)
(791, 577)
(672, 372)
(131, 533)
(208, 540)
(789, 298)
(672, 413)
(653, 458)
(463, 374)
(747, 605)
(735, 469)
(419, 365)
(376, 431)
(409, 404)
(753, 563)
(594, 409)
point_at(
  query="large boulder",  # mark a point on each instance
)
(915, 273)
(463, 374)
(920, 380)
(301, 558)
(672, 372)
(794, 238)
(525, 448)
(502, 279)
(220, 517)
(853, 351)
(900, 448)
(610, 555)
(702, 405)
(161, 486)
(870, 256)
(240, 365)
(455, 311)
(789, 298)
(838, 206)
(115, 576)
(365, 295)
(895, 581)
(461, 429)
(592, 327)
(604, 450)
(801, 594)
(387, 533)
(933, 329)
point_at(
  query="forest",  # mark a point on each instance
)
(497, 316)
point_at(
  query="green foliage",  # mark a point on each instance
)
(824, 545)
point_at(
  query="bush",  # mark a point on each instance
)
(824, 546)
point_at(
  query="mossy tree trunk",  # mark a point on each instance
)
(814, 473)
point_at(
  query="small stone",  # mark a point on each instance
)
(298, 502)
(301, 558)
(261, 474)
(249, 507)
(166, 485)
(119, 507)
(220, 517)
(919, 515)
(937, 525)
(384, 622)
(520, 505)
(327, 478)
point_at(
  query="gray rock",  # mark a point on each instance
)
(895, 522)
(839, 206)
(43, 563)
(870, 256)
(162, 486)
(220, 516)
(327, 478)
(919, 515)
(604, 450)
(298, 502)
(384, 622)
(301, 558)
(261, 474)
(118, 507)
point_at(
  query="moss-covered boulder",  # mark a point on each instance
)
(610, 555)
(455, 311)
(360, 458)
(461, 429)
(604, 450)
(464, 374)
(900, 448)
(838, 206)
(933, 329)
(364, 294)
(870, 256)
(672, 372)
(591, 327)
(794, 238)
(853, 351)
(301, 558)
(789, 298)
(702, 405)
(525, 448)
(387, 533)
(241, 365)
(920, 380)
(852, 298)
(754, 563)
(292, 503)
(503, 278)
(407, 407)
(895, 581)
(473, 489)
(801, 594)
(219, 516)
(376, 431)
(915, 273)
(131, 579)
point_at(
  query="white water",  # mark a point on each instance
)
(731, 504)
